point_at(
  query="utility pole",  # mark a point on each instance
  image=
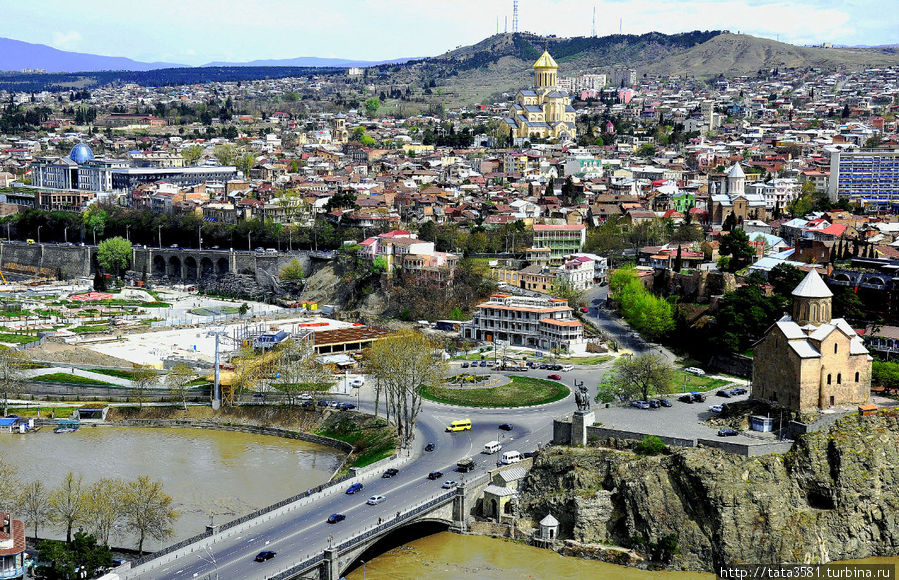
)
(199, 237)
(160, 235)
(216, 388)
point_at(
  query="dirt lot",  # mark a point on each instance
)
(76, 355)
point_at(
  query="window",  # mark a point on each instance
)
(828, 379)
(834, 348)
(856, 376)
(839, 378)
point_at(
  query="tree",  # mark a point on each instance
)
(103, 507)
(225, 154)
(143, 377)
(638, 376)
(379, 265)
(565, 290)
(82, 558)
(245, 163)
(784, 278)
(292, 271)
(114, 254)
(678, 260)
(300, 370)
(177, 380)
(34, 503)
(372, 105)
(736, 245)
(67, 505)
(744, 316)
(11, 363)
(9, 488)
(147, 510)
(402, 363)
(94, 219)
(192, 154)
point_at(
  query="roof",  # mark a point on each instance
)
(555, 322)
(546, 61)
(513, 474)
(499, 491)
(556, 228)
(812, 286)
(17, 531)
(349, 335)
(549, 520)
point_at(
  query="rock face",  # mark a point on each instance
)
(832, 497)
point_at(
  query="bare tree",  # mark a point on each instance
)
(300, 371)
(11, 363)
(9, 487)
(177, 380)
(67, 503)
(35, 504)
(143, 377)
(103, 507)
(402, 363)
(148, 510)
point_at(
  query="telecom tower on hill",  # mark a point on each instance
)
(514, 16)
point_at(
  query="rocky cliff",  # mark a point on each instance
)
(833, 496)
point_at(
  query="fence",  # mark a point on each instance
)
(373, 531)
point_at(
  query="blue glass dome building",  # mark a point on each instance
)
(81, 153)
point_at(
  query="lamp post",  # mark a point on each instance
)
(199, 237)
(65, 234)
(39, 234)
(8, 239)
(95, 236)
(249, 243)
(159, 230)
(128, 232)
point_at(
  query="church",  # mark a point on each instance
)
(729, 196)
(543, 111)
(809, 361)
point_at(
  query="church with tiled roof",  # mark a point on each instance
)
(543, 111)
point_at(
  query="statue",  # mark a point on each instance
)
(582, 398)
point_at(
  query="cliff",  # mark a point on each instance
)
(832, 497)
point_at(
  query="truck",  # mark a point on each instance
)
(465, 465)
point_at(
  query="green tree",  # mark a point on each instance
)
(372, 105)
(82, 558)
(178, 379)
(102, 507)
(225, 154)
(379, 265)
(736, 245)
(192, 154)
(9, 488)
(94, 219)
(143, 377)
(639, 376)
(148, 510)
(114, 255)
(646, 150)
(34, 502)
(744, 315)
(678, 260)
(292, 271)
(245, 163)
(67, 505)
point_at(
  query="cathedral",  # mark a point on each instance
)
(544, 111)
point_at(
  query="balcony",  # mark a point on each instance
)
(12, 573)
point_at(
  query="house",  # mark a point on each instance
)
(12, 547)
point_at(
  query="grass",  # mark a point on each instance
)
(18, 338)
(370, 443)
(45, 411)
(694, 383)
(71, 379)
(587, 360)
(112, 373)
(90, 328)
(215, 310)
(520, 392)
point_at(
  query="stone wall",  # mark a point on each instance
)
(696, 285)
(67, 262)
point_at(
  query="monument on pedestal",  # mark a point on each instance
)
(582, 418)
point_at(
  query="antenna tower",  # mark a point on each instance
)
(593, 31)
(514, 16)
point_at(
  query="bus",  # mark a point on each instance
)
(459, 425)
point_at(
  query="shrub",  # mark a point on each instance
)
(650, 445)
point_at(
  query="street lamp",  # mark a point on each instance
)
(159, 229)
(199, 237)
(249, 243)
(95, 236)
(65, 234)
(39, 234)
(128, 232)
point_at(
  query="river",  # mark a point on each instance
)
(226, 474)
(448, 555)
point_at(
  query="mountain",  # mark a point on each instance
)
(16, 55)
(312, 61)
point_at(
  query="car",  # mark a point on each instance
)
(347, 406)
(265, 555)
(738, 391)
(305, 397)
(724, 393)
(640, 404)
(260, 250)
(354, 488)
(375, 499)
(334, 518)
(727, 432)
(483, 363)
(214, 248)
(694, 371)
(686, 399)
(335, 404)
(465, 365)
(307, 404)
(698, 397)
(357, 382)
(653, 404)
(449, 484)
(430, 447)
(543, 366)
(554, 377)
(665, 402)
(390, 473)
(716, 408)
(506, 426)
(435, 475)
(527, 454)
(584, 309)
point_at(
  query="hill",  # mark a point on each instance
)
(16, 55)
(309, 61)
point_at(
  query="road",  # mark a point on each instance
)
(305, 532)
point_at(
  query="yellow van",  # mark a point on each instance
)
(29, 241)
(459, 425)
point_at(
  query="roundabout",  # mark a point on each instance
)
(514, 391)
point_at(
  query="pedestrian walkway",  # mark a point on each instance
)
(31, 373)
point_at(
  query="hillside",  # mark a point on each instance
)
(16, 55)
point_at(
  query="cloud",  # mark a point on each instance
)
(66, 39)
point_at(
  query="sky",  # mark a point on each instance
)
(195, 32)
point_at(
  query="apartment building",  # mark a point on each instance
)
(870, 177)
(562, 240)
(543, 323)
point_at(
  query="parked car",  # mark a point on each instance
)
(357, 382)
(554, 377)
(724, 393)
(716, 408)
(506, 426)
(334, 518)
(483, 363)
(653, 404)
(465, 365)
(727, 432)
(738, 391)
(435, 475)
(305, 397)
(543, 366)
(449, 484)
(265, 555)
(665, 402)
(686, 399)
(354, 488)
(527, 454)
(640, 404)
(375, 499)
(347, 406)
(584, 309)
(390, 473)
(430, 447)
(698, 397)
(695, 371)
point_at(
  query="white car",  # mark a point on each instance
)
(357, 382)
(694, 371)
(449, 484)
(716, 408)
(305, 397)
(375, 499)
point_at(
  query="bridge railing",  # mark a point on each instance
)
(401, 517)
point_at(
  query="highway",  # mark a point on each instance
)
(302, 533)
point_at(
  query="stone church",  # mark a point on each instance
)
(810, 361)
(729, 196)
(545, 110)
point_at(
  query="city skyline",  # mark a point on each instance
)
(391, 29)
